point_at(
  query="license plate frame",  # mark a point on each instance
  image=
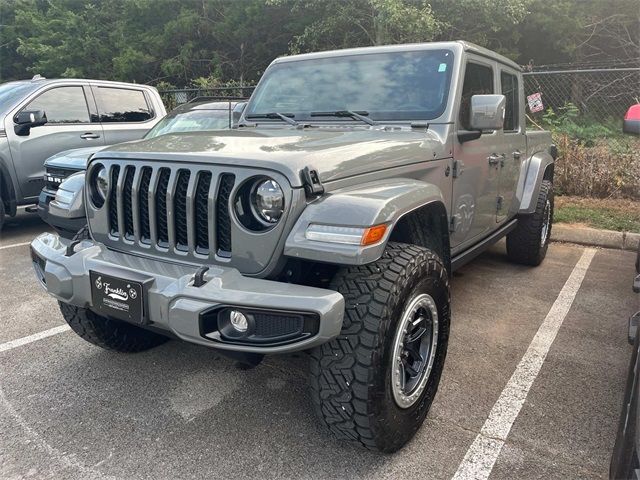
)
(118, 296)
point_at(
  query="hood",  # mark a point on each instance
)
(75, 159)
(334, 152)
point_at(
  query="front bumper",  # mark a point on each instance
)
(66, 227)
(174, 304)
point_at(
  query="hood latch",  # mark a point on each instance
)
(311, 182)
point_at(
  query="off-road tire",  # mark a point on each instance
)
(350, 376)
(109, 333)
(524, 243)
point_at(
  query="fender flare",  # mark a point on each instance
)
(531, 180)
(366, 205)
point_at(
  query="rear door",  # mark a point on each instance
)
(125, 113)
(475, 186)
(515, 143)
(68, 126)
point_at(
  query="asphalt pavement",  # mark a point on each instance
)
(71, 410)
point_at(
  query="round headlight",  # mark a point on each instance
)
(268, 200)
(99, 185)
(102, 183)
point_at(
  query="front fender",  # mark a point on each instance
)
(532, 176)
(374, 203)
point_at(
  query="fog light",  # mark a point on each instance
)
(238, 321)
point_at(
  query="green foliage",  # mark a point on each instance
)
(150, 41)
(568, 120)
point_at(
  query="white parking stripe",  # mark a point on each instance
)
(483, 452)
(33, 338)
(15, 245)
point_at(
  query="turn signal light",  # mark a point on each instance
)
(373, 234)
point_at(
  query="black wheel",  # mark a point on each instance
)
(375, 382)
(109, 333)
(528, 243)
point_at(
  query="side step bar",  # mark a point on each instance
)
(472, 252)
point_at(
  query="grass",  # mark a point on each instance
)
(608, 214)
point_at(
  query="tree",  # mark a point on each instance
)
(356, 23)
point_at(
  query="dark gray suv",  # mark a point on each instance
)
(41, 117)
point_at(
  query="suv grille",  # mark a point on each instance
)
(171, 207)
(54, 176)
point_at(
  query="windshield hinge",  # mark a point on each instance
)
(311, 182)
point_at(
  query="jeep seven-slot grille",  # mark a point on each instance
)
(178, 208)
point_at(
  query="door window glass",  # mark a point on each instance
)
(122, 105)
(62, 105)
(478, 80)
(510, 91)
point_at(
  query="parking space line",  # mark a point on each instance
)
(15, 245)
(33, 338)
(479, 460)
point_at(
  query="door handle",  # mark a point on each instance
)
(495, 159)
(89, 136)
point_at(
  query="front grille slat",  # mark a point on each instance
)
(171, 208)
(171, 191)
(180, 210)
(223, 230)
(113, 200)
(143, 204)
(201, 213)
(161, 207)
(127, 202)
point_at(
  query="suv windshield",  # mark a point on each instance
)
(13, 92)
(387, 86)
(191, 120)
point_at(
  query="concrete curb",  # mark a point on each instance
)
(594, 237)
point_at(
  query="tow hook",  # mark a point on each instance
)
(198, 277)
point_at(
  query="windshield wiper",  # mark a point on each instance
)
(362, 116)
(276, 115)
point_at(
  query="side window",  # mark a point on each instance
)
(478, 80)
(122, 105)
(509, 84)
(62, 105)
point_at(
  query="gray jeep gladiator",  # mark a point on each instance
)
(329, 221)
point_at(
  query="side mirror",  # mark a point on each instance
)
(27, 119)
(237, 112)
(632, 120)
(487, 112)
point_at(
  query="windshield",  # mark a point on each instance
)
(384, 86)
(191, 121)
(12, 92)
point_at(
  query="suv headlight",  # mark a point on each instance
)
(259, 203)
(268, 200)
(99, 185)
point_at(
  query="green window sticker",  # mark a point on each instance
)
(442, 68)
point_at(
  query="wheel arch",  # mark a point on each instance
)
(7, 190)
(540, 167)
(404, 205)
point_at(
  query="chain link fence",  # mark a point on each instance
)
(584, 110)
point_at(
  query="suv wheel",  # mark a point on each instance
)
(528, 243)
(109, 333)
(375, 382)
(2, 214)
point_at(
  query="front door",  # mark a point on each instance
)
(478, 163)
(68, 126)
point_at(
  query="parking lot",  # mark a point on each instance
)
(71, 410)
